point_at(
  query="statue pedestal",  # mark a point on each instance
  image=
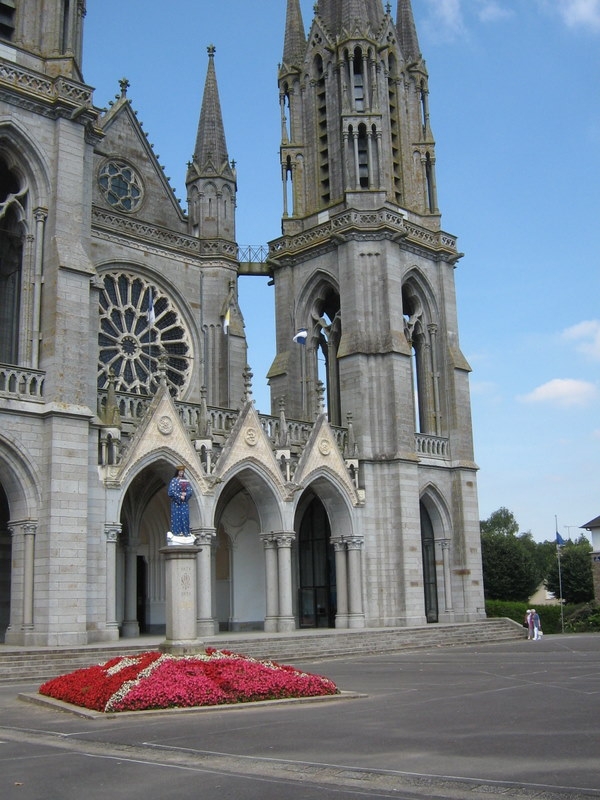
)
(180, 568)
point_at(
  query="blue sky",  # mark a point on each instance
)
(516, 115)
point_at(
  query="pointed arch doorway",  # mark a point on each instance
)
(5, 564)
(429, 568)
(317, 601)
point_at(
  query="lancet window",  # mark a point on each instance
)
(13, 210)
(421, 333)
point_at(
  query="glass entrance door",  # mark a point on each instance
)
(317, 598)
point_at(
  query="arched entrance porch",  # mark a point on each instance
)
(250, 563)
(140, 569)
(328, 569)
(5, 564)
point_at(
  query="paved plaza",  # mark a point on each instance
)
(511, 720)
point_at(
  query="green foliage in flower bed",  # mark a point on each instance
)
(157, 680)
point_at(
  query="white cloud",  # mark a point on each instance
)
(492, 11)
(581, 12)
(445, 18)
(576, 13)
(587, 336)
(565, 392)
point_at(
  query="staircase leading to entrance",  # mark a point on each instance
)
(32, 664)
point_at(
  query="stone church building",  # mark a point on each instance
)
(353, 502)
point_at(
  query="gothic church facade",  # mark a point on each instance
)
(353, 503)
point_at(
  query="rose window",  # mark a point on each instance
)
(120, 185)
(140, 330)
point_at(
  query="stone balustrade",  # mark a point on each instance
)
(22, 384)
(429, 446)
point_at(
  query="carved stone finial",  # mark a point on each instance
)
(162, 368)
(282, 439)
(111, 416)
(211, 50)
(248, 375)
(124, 84)
(203, 418)
(320, 397)
(351, 447)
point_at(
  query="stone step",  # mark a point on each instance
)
(28, 664)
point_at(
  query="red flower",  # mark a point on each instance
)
(152, 680)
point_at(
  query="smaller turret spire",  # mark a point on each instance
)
(407, 31)
(211, 178)
(294, 46)
(210, 153)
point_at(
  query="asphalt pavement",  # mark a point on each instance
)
(508, 719)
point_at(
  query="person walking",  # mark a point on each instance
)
(528, 623)
(536, 624)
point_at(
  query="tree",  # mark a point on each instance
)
(500, 521)
(509, 568)
(575, 572)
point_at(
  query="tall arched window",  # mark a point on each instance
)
(363, 157)
(13, 199)
(323, 138)
(329, 330)
(358, 81)
(421, 333)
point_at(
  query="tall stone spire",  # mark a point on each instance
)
(407, 31)
(211, 178)
(294, 45)
(339, 15)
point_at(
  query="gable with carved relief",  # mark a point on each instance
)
(322, 453)
(161, 433)
(248, 441)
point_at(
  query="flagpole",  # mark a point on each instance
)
(562, 610)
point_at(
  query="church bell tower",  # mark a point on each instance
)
(364, 268)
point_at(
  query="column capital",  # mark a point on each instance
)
(354, 542)
(205, 536)
(25, 526)
(112, 531)
(284, 538)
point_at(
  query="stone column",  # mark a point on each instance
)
(28, 575)
(20, 629)
(272, 582)
(341, 582)
(356, 617)
(285, 619)
(41, 215)
(206, 625)
(111, 531)
(445, 544)
(181, 600)
(131, 626)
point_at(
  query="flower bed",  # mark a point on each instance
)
(159, 680)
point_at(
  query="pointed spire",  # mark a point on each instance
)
(210, 153)
(339, 15)
(294, 46)
(407, 31)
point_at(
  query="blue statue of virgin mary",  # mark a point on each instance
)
(180, 492)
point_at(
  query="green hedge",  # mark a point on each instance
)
(579, 618)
